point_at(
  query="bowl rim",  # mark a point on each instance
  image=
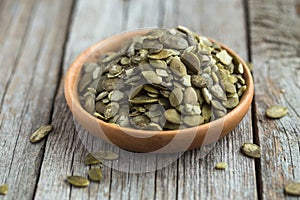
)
(71, 92)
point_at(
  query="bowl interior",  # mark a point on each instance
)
(143, 140)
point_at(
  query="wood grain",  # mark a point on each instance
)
(65, 149)
(30, 55)
(275, 41)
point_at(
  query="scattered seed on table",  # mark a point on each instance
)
(78, 181)
(3, 189)
(221, 165)
(95, 174)
(276, 112)
(40, 133)
(251, 150)
(293, 189)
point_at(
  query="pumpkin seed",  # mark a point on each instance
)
(218, 92)
(251, 150)
(173, 41)
(293, 189)
(172, 116)
(143, 100)
(190, 96)
(140, 121)
(111, 110)
(231, 102)
(176, 97)
(193, 120)
(191, 61)
(78, 181)
(105, 155)
(161, 64)
(163, 54)
(202, 81)
(276, 112)
(116, 95)
(207, 96)
(221, 165)
(91, 160)
(3, 189)
(224, 57)
(95, 174)
(206, 112)
(101, 95)
(40, 133)
(178, 67)
(152, 77)
(151, 89)
(242, 90)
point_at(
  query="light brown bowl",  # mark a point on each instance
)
(150, 141)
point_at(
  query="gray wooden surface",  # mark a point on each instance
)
(40, 38)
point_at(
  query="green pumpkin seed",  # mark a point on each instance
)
(91, 160)
(95, 174)
(176, 97)
(218, 92)
(116, 95)
(202, 81)
(178, 67)
(153, 46)
(231, 102)
(151, 89)
(173, 41)
(40, 133)
(105, 155)
(190, 96)
(224, 57)
(207, 96)
(143, 100)
(193, 120)
(242, 90)
(78, 181)
(153, 127)
(251, 150)
(276, 112)
(161, 64)
(162, 72)
(140, 121)
(221, 165)
(163, 54)
(3, 189)
(172, 116)
(292, 189)
(101, 95)
(152, 77)
(191, 61)
(111, 110)
(229, 87)
(125, 61)
(218, 105)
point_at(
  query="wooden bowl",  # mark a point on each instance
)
(150, 141)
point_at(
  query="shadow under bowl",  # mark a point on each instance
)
(150, 141)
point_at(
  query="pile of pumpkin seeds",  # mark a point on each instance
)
(95, 173)
(164, 80)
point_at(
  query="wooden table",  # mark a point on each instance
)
(40, 38)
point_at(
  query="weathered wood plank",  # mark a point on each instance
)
(30, 55)
(238, 181)
(65, 149)
(275, 41)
